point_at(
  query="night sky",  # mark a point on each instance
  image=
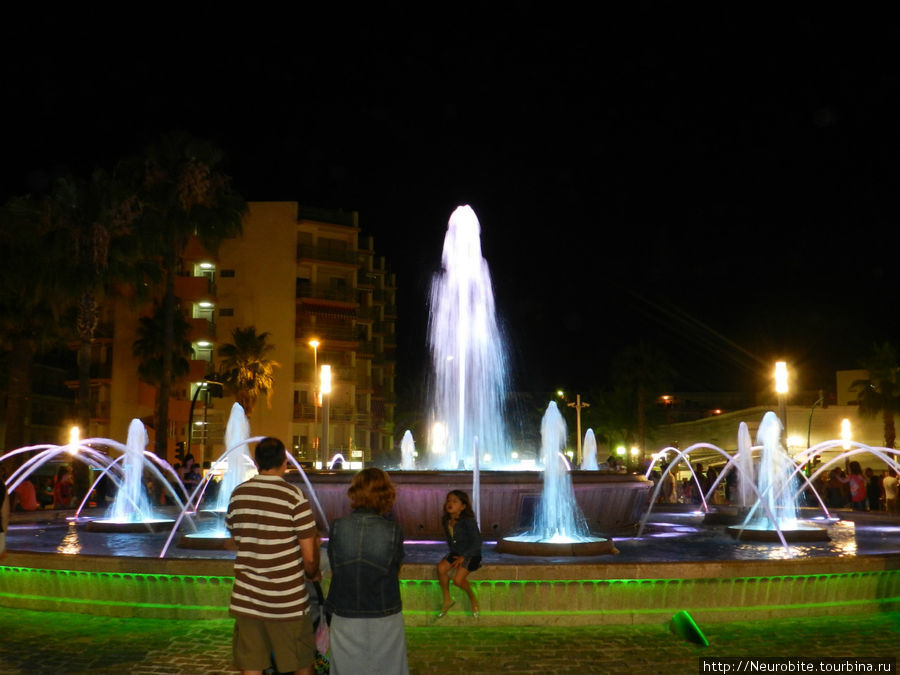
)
(725, 186)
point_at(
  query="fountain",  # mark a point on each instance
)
(559, 524)
(468, 357)
(774, 516)
(239, 466)
(652, 583)
(131, 510)
(407, 452)
(589, 450)
(467, 393)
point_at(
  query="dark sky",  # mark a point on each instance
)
(724, 186)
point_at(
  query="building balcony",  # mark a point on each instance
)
(201, 329)
(194, 289)
(304, 412)
(309, 291)
(327, 333)
(332, 255)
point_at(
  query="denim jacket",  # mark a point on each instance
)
(365, 551)
(465, 539)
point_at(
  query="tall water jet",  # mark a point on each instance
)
(559, 526)
(746, 473)
(240, 464)
(774, 514)
(589, 452)
(407, 452)
(558, 517)
(467, 354)
(131, 504)
(131, 510)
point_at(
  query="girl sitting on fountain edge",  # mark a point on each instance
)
(464, 540)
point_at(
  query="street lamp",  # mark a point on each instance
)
(578, 405)
(314, 343)
(845, 434)
(324, 389)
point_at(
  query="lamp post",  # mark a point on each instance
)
(204, 387)
(781, 389)
(578, 405)
(314, 343)
(324, 390)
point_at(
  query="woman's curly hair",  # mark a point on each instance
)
(372, 489)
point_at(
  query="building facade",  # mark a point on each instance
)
(303, 276)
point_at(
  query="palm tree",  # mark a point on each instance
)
(28, 314)
(247, 371)
(182, 193)
(92, 225)
(149, 348)
(880, 393)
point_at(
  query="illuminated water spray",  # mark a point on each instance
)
(558, 516)
(468, 357)
(131, 503)
(240, 464)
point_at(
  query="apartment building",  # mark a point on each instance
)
(307, 278)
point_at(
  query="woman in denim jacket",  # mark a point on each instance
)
(464, 540)
(365, 550)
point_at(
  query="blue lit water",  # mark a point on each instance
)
(669, 537)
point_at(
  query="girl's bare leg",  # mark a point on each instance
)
(461, 579)
(443, 572)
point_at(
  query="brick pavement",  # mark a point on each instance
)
(50, 642)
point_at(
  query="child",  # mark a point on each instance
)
(464, 540)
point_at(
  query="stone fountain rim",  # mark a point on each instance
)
(501, 571)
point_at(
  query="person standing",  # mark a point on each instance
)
(365, 551)
(890, 486)
(275, 534)
(4, 512)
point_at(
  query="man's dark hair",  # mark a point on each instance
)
(269, 454)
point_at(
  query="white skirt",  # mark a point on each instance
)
(368, 645)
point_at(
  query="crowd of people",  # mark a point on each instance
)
(842, 487)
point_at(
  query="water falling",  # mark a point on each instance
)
(589, 452)
(467, 352)
(407, 452)
(776, 478)
(240, 464)
(131, 504)
(746, 473)
(558, 517)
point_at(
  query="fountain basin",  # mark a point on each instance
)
(525, 545)
(103, 525)
(791, 534)
(612, 503)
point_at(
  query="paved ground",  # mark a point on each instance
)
(49, 642)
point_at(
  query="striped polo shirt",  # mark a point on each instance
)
(267, 516)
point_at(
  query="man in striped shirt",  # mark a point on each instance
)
(277, 550)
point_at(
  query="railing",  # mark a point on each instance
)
(328, 332)
(307, 289)
(327, 254)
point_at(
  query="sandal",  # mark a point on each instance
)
(445, 609)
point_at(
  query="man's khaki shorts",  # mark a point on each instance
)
(256, 642)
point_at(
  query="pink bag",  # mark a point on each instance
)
(323, 641)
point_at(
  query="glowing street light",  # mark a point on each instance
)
(314, 343)
(324, 388)
(845, 433)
